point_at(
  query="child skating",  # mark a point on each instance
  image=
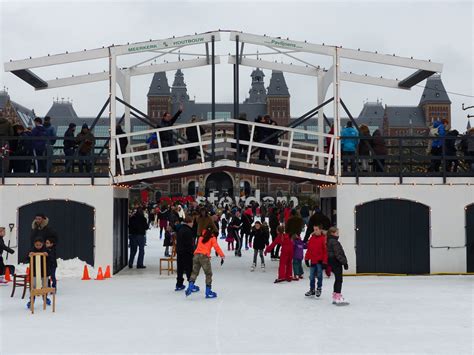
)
(51, 261)
(316, 259)
(337, 260)
(260, 240)
(298, 252)
(285, 268)
(202, 259)
(230, 241)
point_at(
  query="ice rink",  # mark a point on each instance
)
(138, 311)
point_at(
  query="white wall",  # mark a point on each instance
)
(99, 196)
(447, 217)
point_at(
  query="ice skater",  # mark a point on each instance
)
(298, 252)
(3, 247)
(316, 258)
(202, 259)
(285, 268)
(51, 261)
(260, 240)
(224, 223)
(337, 259)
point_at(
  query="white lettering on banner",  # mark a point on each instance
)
(247, 200)
(182, 42)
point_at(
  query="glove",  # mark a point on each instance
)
(346, 266)
(307, 263)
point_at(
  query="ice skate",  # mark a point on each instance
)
(180, 288)
(252, 268)
(318, 292)
(190, 288)
(263, 267)
(310, 293)
(195, 288)
(278, 281)
(338, 300)
(209, 293)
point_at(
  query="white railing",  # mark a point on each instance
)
(289, 153)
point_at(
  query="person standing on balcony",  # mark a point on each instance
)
(438, 130)
(364, 147)
(69, 147)
(85, 141)
(192, 136)
(123, 143)
(380, 149)
(39, 145)
(268, 136)
(166, 137)
(348, 146)
(50, 132)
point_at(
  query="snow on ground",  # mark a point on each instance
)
(138, 311)
(66, 268)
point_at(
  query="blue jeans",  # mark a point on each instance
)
(297, 267)
(137, 242)
(316, 269)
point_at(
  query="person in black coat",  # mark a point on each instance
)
(137, 227)
(69, 147)
(244, 134)
(51, 262)
(166, 137)
(192, 136)
(184, 252)
(233, 230)
(337, 260)
(267, 136)
(123, 143)
(317, 219)
(274, 222)
(247, 220)
(260, 241)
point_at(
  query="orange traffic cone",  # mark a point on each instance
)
(7, 274)
(100, 276)
(85, 274)
(107, 272)
(27, 273)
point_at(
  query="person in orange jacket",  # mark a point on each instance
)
(202, 258)
(316, 258)
(285, 269)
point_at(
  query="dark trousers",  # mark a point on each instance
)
(379, 165)
(184, 267)
(348, 158)
(172, 154)
(257, 252)
(337, 270)
(137, 242)
(69, 161)
(192, 153)
(435, 163)
(84, 160)
(40, 164)
(266, 153)
(52, 278)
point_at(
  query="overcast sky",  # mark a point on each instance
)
(440, 31)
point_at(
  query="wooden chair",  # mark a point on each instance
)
(21, 281)
(169, 261)
(39, 282)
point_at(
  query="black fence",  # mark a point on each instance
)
(409, 156)
(48, 157)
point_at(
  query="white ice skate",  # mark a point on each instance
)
(252, 268)
(338, 300)
(263, 267)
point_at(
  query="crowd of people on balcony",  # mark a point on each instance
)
(361, 150)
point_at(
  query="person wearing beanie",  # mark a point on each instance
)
(85, 141)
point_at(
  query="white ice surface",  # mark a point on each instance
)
(138, 311)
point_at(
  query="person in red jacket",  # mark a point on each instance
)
(285, 269)
(316, 259)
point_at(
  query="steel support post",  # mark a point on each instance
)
(213, 99)
(337, 117)
(236, 99)
(112, 108)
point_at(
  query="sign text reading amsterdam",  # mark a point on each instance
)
(166, 44)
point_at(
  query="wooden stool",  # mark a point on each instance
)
(21, 281)
(170, 260)
(39, 281)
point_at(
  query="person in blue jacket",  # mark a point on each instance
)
(349, 145)
(439, 126)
